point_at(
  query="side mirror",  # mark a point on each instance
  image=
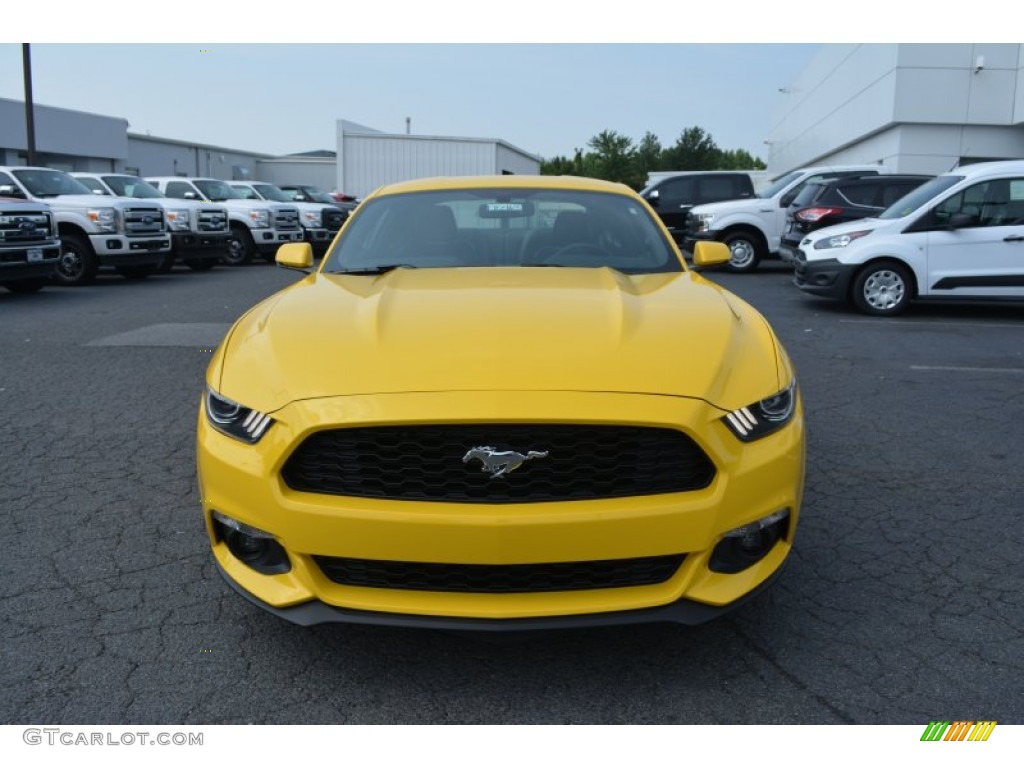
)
(295, 256)
(961, 220)
(190, 196)
(707, 253)
(10, 190)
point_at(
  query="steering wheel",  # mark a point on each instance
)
(580, 249)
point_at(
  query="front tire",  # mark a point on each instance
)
(883, 288)
(240, 247)
(745, 251)
(78, 263)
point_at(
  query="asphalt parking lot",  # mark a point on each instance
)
(901, 603)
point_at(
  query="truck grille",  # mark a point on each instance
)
(426, 463)
(287, 218)
(334, 218)
(143, 221)
(532, 577)
(18, 227)
(212, 221)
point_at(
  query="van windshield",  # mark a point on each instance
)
(911, 201)
(779, 185)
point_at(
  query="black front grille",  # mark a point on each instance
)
(533, 577)
(334, 218)
(431, 463)
(24, 227)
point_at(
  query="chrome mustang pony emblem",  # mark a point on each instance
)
(500, 463)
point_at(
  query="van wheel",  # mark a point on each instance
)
(77, 264)
(745, 251)
(240, 247)
(883, 288)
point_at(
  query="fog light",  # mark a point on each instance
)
(741, 547)
(256, 548)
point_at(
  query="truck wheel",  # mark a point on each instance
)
(78, 264)
(883, 288)
(745, 251)
(26, 286)
(240, 247)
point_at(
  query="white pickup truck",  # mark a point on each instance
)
(256, 226)
(753, 227)
(129, 235)
(199, 231)
(320, 221)
(29, 245)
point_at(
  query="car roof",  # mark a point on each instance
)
(440, 183)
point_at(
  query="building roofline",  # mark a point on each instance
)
(195, 144)
(422, 137)
(37, 105)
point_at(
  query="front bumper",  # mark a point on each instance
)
(14, 263)
(753, 480)
(320, 239)
(823, 277)
(691, 238)
(120, 251)
(201, 246)
(269, 240)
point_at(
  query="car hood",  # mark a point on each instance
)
(494, 329)
(102, 201)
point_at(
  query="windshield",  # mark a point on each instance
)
(779, 185)
(216, 191)
(132, 186)
(270, 192)
(503, 227)
(911, 201)
(241, 192)
(43, 182)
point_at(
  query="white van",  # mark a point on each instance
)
(957, 237)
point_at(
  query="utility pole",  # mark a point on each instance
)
(30, 121)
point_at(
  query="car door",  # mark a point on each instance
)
(975, 242)
(675, 199)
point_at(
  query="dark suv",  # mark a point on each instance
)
(837, 201)
(673, 196)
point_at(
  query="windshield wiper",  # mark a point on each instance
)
(378, 270)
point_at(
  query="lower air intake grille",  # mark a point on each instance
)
(541, 577)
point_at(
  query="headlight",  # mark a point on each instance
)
(840, 241)
(763, 417)
(312, 218)
(704, 221)
(105, 219)
(178, 220)
(234, 419)
(260, 217)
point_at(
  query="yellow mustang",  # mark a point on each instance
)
(501, 403)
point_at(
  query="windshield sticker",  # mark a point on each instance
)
(517, 207)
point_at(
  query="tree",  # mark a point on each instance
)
(648, 157)
(740, 160)
(695, 150)
(612, 156)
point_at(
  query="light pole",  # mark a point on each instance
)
(30, 121)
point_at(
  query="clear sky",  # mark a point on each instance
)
(544, 75)
(547, 99)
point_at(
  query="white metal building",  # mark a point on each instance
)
(368, 158)
(917, 108)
